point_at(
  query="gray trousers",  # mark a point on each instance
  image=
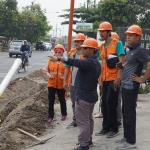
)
(84, 120)
(119, 109)
(72, 96)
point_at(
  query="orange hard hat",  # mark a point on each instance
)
(90, 42)
(134, 29)
(105, 26)
(79, 37)
(59, 46)
(115, 35)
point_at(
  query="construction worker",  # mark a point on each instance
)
(119, 110)
(86, 90)
(55, 72)
(110, 80)
(77, 54)
(131, 80)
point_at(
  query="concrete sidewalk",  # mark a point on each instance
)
(67, 138)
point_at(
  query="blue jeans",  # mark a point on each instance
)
(25, 56)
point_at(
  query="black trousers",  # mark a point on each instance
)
(51, 98)
(129, 99)
(109, 105)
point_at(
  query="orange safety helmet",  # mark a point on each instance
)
(115, 35)
(79, 37)
(105, 26)
(134, 29)
(59, 46)
(90, 42)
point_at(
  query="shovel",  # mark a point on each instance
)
(35, 137)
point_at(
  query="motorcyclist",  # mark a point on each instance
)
(25, 48)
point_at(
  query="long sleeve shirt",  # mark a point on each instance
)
(89, 70)
(25, 48)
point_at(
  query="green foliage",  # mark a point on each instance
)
(8, 16)
(120, 13)
(36, 24)
(30, 24)
(83, 14)
(144, 90)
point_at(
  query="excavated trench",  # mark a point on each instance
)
(24, 105)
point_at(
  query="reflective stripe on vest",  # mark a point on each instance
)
(57, 73)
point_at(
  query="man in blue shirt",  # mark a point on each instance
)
(86, 95)
(25, 48)
(131, 73)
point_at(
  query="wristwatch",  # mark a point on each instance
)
(58, 58)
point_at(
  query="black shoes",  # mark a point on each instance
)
(102, 132)
(112, 134)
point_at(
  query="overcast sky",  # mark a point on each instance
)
(53, 6)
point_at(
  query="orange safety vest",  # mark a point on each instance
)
(57, 71)
(72, 54)
(107, 73)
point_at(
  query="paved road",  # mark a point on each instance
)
(36, 62)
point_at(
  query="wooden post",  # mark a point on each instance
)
(70, 25)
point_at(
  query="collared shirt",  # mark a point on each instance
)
(134, 62)
(89, 70)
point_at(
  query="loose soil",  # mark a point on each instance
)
(24, 105)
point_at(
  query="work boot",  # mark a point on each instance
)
(72, 124)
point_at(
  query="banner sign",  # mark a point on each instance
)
(83, 26)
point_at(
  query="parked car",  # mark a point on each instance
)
(40, 46)
(14, 48)
(48, 46)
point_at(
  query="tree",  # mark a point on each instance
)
(30, 24)
(87, 12)
(122, 13)
(9, 12)
(119, 13)
(35, 25)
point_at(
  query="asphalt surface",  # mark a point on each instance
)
(36, 62)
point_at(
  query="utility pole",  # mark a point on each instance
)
(87, 9)
(70, 24)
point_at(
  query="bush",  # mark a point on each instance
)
(144, 90)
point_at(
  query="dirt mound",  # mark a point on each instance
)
(23, 105)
